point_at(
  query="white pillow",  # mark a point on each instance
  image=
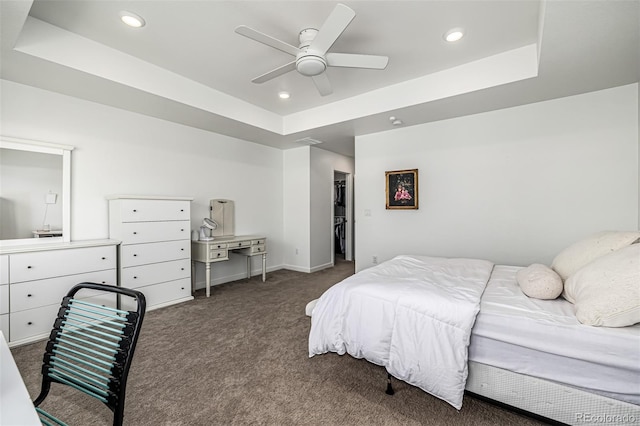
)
(584, 251)
(606, 292)
(539, 281)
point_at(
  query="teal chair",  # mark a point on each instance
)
(90, 349)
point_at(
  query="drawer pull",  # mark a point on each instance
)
(181, 210)
(181, 288)
(28, 295)
(104, 258)
(104, 282)
(134, 232)
(181, 249)
(29, 323)
(182, 230)
(134, 210)
(182, 269)
(135, 255)
(135, 278)
(29, 267)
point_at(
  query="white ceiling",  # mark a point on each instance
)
(187, 64)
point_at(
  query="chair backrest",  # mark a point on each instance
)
(91, 347)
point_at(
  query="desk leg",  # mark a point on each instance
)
(248, 267)
(207, 278)
(264, 267)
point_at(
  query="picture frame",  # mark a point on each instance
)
(401, 189)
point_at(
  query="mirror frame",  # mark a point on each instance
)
(46, 148)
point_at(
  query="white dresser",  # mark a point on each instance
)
(35, 278)
(155, 252)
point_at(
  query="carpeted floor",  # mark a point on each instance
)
(240, 357)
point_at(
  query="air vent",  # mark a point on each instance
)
(308, 141)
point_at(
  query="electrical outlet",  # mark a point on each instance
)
(374, 259)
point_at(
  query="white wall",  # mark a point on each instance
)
(297, 205)
(308, 206)
(120, 152)
(513, 186)
(323, 165)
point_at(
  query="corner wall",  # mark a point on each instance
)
(514, 186)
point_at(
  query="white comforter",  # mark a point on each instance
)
(412, 314)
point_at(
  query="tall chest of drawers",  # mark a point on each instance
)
(34, 279)
(155, 248)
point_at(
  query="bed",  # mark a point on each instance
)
(489, 339)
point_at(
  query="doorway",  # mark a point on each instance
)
(342, 230)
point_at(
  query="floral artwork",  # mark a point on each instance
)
(402, 189)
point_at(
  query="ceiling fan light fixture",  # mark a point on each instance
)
(132, 19)
(311, 65)
(454, 35)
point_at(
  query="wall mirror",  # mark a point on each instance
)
(35, 192)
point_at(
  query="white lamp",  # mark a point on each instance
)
(207, 224)
(50, 198)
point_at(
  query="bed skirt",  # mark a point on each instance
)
(548, 399)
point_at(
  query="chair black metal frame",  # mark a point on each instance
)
(90, 349)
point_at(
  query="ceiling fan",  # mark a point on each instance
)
(312, 58)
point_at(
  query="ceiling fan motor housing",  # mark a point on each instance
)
(309, 63)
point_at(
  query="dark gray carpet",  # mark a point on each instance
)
(240, 357)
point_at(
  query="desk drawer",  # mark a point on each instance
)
(252, 251)
(139, 276)
(239, 244)
(218, 255)
(261, 242)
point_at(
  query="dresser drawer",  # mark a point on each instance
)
(161, 293)
(39, 321)
(55, 263)
(151, 232)
(4, 269)
(4, 299)
(257, 242)
(142, 254)
(33, 294)
(4, 326)
(153, 210)
(139, 276)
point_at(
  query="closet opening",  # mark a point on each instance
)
(342, 231)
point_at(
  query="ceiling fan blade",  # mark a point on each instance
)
(268, 40)
(335, 24)
(322, 84)
(351, 60)
(274, 73)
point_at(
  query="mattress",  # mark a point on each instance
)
(542, 338)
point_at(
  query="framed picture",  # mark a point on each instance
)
(402, 189)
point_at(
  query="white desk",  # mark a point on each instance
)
(16, 407)
(218, 250)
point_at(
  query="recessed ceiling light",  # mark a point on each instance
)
(454, 34)
(132, 19)
(284, 95)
